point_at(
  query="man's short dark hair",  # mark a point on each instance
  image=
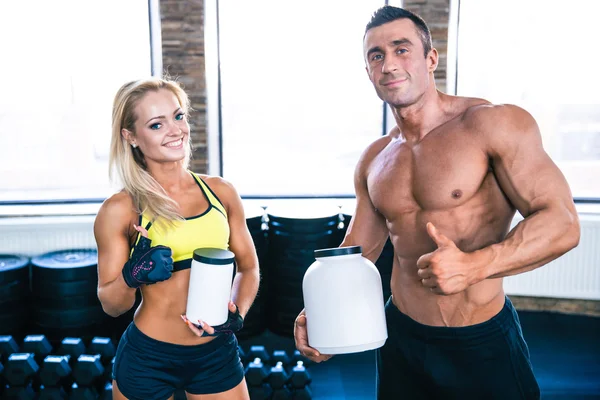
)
(389, 13)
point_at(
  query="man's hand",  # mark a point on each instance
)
(447, 270)
(301, 338)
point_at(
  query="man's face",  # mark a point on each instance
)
(396, 64)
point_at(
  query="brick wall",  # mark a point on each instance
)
(435, 13)
(182, 30)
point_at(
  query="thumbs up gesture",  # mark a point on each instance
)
(447, 270)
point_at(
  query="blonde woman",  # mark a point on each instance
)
(146, 235)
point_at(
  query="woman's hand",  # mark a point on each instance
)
(234, 323)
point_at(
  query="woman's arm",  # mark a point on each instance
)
(111, 230)
(246, 282)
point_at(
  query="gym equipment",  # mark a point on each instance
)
(104, 347)
(74, 347)
(281, 356)
(19, 393)
(299, 378)
(256, 373)
(14, 293)
(258, 351)
(88, 371)
(330, 288)
(295, 231)
(8, 346)
(255, 321)
(277, 377)
(38, 345)
(55, 372)
(20, 369)
(210, 286)
(83, 393)
(64, 294)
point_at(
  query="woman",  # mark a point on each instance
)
(146, 235)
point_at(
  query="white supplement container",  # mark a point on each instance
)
(343, 300)
(211, 277)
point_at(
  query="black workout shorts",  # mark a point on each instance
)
(484, 361)
(148, 369)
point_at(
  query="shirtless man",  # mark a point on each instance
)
(444, 185)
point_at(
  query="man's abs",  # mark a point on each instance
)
(476, 304)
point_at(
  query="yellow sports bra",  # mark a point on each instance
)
(209, 229)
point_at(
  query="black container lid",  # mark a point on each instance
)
(76, 258)
(213, 256)
(338, 251)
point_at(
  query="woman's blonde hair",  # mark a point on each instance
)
(149, 197)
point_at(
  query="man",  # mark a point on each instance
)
(444, 185)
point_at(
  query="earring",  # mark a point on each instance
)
(134, 145)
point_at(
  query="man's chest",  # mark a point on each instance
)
(434, 175)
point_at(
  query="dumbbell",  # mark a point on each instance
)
(261, 392)
(56, 372)
(38, 345)
(299, 376)
(282, 394)
(19, 393)
(297, 356)
(73, 347)
(8, 346)
(258, 352)
(280, 356)
(103, 346)
(83, 393)
(88, 372)
(256, 373)
(277, 377)
(20, 369)
(52, 393)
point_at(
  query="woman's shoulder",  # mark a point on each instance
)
(220, 186)
(118, 206)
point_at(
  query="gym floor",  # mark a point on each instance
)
(565, 352)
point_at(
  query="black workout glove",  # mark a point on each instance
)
(147, 264)
(234, 323)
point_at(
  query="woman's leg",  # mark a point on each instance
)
(240, 392)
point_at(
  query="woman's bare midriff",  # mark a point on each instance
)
(159, 314)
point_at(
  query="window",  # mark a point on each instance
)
(63, 62)
(298, 108)
(539, 56)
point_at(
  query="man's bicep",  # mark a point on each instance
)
(525, 172)
(367, 227)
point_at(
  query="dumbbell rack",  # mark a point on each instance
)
(36, 370)
(276, 375)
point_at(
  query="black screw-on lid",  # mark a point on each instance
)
(213, 256)
(338, 251)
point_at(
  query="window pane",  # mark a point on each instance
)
(67, 60)
(298, 108)
(539, 56)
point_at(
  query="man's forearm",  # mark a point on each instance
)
(540, 238)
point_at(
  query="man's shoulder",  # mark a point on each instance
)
(492, 117)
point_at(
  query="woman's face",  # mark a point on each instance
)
(161, 128)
